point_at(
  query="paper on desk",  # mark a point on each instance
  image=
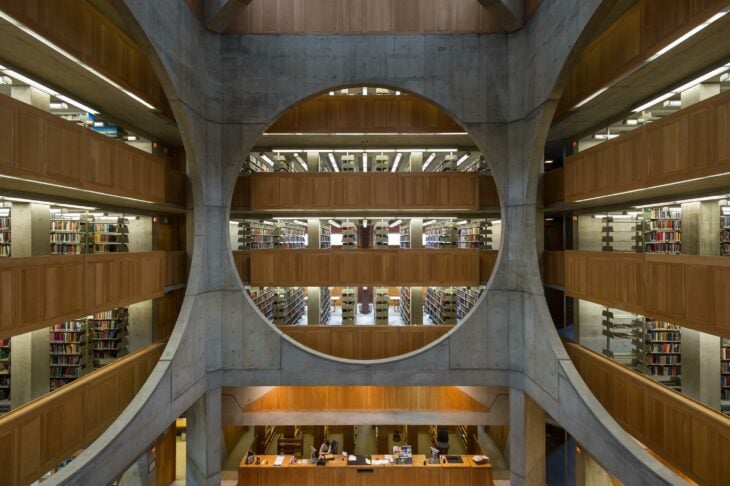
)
(352, 458)
(279, 461)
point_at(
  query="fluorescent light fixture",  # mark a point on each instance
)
(605, 136)
(77, 104)
(343, 151)
(397, 93)
(428, 223)
(497, 221)
(364, 223)
(653, 102)
(365, 91)
(332, 93)
(234, 223)
(462, 222)
(462, 159)
(549, 219)
(364, 162)
(687, 36)
(286, 151)
(410, 150)
(334, 223)
(300, 222)
(703, 78)
(440, 150)
(47, 203)
(396, 162)
(50, 184)
(266, 159)
(73, 58)
(591, 97)
(672, 104)
(395, 223)
(428, 161)
(333, 162)
(548, 162)
(301, 162)
(131, 138)
(379, 151)
(58, 106)
(632, 122)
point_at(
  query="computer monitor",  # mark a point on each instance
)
(406, 451)
(314, 454)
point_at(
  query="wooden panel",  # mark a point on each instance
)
(8, 127)
(82, 409)
(62, 151)
(30, 143)
(165, 448)
(684, 433)
(176, 267)
(553, 186)
(666, 148)
(553, 268)
(487, 262)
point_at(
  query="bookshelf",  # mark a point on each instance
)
(621, 330)
(255, 165)
(405, 234)
(348, 163)
(405, 305)
(5, 234)
(441, 235)
(348, 305)
(382, 300)
(255, 234)
(107, 332)
(263, 298)
(449, 164)
(381, 163)
(281, 164)
(475, 234)
(325, 305)
(725, 375)
(466, 298)
(440, 305)
(68, 234)
(381, 234)
(289, 305)
(4, 375)
(349, 236)
(663, 230)
(621, 232)
(662, 352)
(289, 235)
(111, 237)
(69, 352)
(325, 236)
(725, 230)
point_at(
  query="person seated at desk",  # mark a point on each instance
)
(324, 449)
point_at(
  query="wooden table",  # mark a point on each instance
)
(337, 472)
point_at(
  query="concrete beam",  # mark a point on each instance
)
(509, 13)
(220, 13)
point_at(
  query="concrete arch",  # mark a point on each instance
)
(225, 90)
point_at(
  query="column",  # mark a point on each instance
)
(314, 230)
(312, 161)
(416, 242)
(588, 472)
(31, 96)
(526, 440)
(416, 161)
(700, 350)
(203, 446)
(30, 352)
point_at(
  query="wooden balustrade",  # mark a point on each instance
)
(689, 144)
(39, 435)
(686, 434)
(176, 268)
(371, 190)
(175, 186)
(688, 290)
(365, 342)
(39, 291)
(394, 267)
(554, 268)
(41, 147)
(644, 29)
(553, 186)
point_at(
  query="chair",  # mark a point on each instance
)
(442, 440)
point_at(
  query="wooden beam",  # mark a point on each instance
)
(220, 13)
(509, 13)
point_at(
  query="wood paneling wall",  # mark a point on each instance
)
(553, 186)
(365, 342)
(692, 291)
(39, 291)
(78, 28)
(168, 308)
(37, 436)
(364, 398)
(401, 191)
(313, 268)
(175, 186)
(643, 30)
(373, 114)
(554, 268)
(176, 268)
(688, 435)
(688, 144)
(363, 17)
(165, 457)
(39, 146)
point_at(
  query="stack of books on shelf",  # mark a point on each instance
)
(289, 305)
(349, 236)
(325, 305)
(281, 164)
(440, 305)
(466, 299)
(255, 234)
(449, 163)
(289, 235)
(325, 236)
(662, 352)
(621, 330)
(475, 234)
(405, 305)
(108, 237)
(4, 375)
(405, 234)
(441, 235)
(108, 331)
(263, 298)
(725, 232)
(382, 300)
(725, 375)
(663, 230)
(348, 305)
(348, 163)
(5, 235)
(68, 236)
(381, 234)
(69, 352)
(622, 232)
(381, 163)
(255, 165)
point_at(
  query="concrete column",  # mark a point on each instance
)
(140, 233)
(588, 326)
(314, 309)
(312, 161)
(698, 93)
(526, 440)
(588, 472)
(701, 351)
(140, 326)
(416, 161)
(30, 352)
(31, 96)
(204, 440)
(314, 231)
(416, 226)
(416, 232)
(416, 305)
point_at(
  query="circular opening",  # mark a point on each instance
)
(365, 223)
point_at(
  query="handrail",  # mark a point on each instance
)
(687, 434)
(37, 436)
